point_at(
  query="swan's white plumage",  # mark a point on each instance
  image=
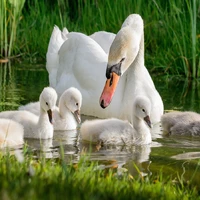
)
(34, 126)
(11, 133)
(104, 39)
(56, 41)
(115, 131)
(33, 107)
(81, 62)
(64, 115)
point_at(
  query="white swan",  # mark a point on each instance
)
(67, 115)
(11, 133)
(181, 123)
(115, 131)
(34, 126)
(80, 61)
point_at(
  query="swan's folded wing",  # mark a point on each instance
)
(82, 62)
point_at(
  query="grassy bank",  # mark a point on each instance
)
(172, 29)
(30, 178)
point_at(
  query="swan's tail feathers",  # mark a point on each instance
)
(52, 57)
(64, 33)
(57, 39)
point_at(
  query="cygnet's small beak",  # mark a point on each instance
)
(148, 121)
(77, 116)
(109, 90)
(50, 115)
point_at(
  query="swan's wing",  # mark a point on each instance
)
(56, 40)
(82, 64)
(104, 39)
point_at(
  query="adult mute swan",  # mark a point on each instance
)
(115, 131)
(36, 127)
(11, 133)
(80, 61)
(67, 115)
(181, 123)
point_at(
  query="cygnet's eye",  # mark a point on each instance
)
(47, 104)
(76, 104)
(122, 60)
(143, 110)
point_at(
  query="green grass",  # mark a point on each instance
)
(9, 20)
(172, 29)
(54, 179)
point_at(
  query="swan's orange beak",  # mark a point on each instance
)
(109, 90)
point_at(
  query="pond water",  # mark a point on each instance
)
(170, 155)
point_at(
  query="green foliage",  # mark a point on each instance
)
(10, 17)
(54, 179)
(171, 28)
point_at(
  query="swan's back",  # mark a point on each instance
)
(107, 130)
(189, 129)
(104, 39)
(33, 107)
(168, 120)
(25, 118)
(81, 54)
(11, 133)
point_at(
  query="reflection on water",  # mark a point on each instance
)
(171, 155)
(187, 156)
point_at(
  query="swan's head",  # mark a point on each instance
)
(123, 53)
(142, 109)
(72, 100)
(48, 99)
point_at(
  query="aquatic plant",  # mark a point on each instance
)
(171, 29)
(10, 17)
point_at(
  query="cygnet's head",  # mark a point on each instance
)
(48, 99)
(142, 109)
(72, 99)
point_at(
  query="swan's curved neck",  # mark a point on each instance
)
(139, 125)
(143, 132)
(139, 60)
(43, 117)
(134, 73)
(64, 111)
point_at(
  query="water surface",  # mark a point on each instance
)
(170, 155)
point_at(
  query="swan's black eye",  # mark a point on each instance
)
(47, 104)
(143, 110)
(76, 104)
(122, 60)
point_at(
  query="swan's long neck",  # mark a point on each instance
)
(65, 113)
(143, 132)
(135, 22)
(139, 60)
(44, 128)
(133, 73)
(43, 118)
